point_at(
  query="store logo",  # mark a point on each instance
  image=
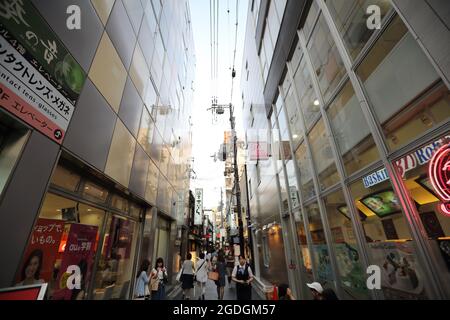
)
(439, 174)
(74, 20)
(374, 280)
(374, 19)
(74, 280)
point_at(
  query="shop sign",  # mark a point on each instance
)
(40, 80)
(294, 196)
(439, 174)
(258, 150)
(198, 213)
(407, 163)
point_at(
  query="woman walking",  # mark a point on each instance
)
(158, 280)
(201, 275)
(187, 277)
(221, 269)
(143, 278)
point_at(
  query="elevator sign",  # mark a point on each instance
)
(198, 213)
(439, 174)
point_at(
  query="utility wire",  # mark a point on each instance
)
(234, 54)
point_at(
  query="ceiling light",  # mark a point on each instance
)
(295, 136)
(316, 102)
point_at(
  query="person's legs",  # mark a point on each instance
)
(203, 290)
(222, 291)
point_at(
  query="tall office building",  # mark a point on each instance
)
(355, 116)
(95, 138)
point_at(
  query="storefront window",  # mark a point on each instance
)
(388, 239)
(306, 178)
(65, 234)
(115, 268)
(120, 203)
(319, 244)
(415, 171)
(353, 277)
(396, 73)
(350, 17)
(66, 178)
(325, 58)
(350, 129)
(309, 103)
(323, 156)
(12, 140)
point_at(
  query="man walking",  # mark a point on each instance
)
(243, 276)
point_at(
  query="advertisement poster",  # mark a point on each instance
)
(400, 275)
(352, 274)
(41, 81)
(323, 263)
(40, 255)
(79, 251)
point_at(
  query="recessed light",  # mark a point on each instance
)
(89, 209)
(295, 136)
(316, 102)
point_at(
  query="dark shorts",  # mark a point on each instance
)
(187, 281)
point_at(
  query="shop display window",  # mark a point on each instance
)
(320, 250)
(351, 132)
(13, 137)
(424, 188)
(66, 234)
(389, 242)
(352, 275)
(113, 279)
(323, 156)
(350, 17)
(403, 87)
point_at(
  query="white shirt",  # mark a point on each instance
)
(202, 270)
(235, 270)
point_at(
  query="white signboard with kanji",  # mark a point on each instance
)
(198, 213)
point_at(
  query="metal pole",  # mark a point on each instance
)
(236, 182)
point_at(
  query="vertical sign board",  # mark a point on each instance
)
(198, 213)
(40, 81)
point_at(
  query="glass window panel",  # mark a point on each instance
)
(120, 203)
(389, 240)
(416, 180)
(115, 267)
(320, 250)
(325, 58)
(350, 18)
(353, 277)
(400, 82)
(309, 103)
(312, 15)
(351, 132)
(65, 178)
(145, 135)
(304, 165)
(152, 183)
(306, 254)
(295, 120)
(323, 156)
(94, 192)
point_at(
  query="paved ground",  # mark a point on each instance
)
(211, 292)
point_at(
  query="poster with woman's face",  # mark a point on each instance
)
(40, 256)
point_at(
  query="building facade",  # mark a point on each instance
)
(355, 118)
(95, 139)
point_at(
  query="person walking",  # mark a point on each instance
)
(284, 292)
(316, 290)
(141, 290)
(158, 280)
(187, 277)
(221, 269)
(230, 266)
(201, 275)
(243, 276)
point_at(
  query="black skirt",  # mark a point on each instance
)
(187, 281)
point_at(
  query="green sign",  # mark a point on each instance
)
(25, 29)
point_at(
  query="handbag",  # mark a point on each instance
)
(178, 278)
(213, 275)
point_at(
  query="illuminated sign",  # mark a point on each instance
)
(439, 174)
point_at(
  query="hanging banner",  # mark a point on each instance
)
(40, 80)
(40, 255)
(198, 212)
(78, 255)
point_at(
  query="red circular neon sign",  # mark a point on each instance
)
(439, 174)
